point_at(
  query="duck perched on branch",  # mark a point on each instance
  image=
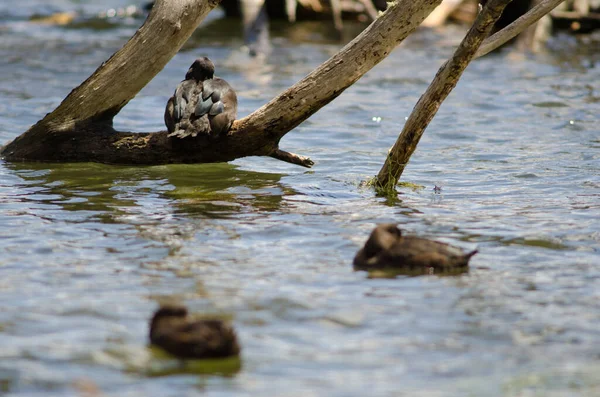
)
(387, 248)
(202, 104)
(174, 332)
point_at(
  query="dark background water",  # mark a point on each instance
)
(87, 250)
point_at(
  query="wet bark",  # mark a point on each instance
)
(80, 129)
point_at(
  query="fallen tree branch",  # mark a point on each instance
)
(519, 25)
(72, 133)
(444, 81)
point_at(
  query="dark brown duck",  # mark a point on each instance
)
(386, 248)
(174, 332)
(202, 104)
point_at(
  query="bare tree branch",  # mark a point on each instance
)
(441, 86)
(518, 26)
(66, 135)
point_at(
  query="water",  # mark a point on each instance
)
(87, 250)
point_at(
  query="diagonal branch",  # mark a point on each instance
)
(441, 86)
(523, 22)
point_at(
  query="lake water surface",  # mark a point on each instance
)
(88, 250)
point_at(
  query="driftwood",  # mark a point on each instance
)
(441, 86)
(80, 128)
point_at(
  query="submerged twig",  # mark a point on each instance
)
(429, 103)
(292, 158)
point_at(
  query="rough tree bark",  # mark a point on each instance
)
(441, 86)
(80, 129)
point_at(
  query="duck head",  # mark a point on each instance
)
(167, 313)
(382, 238)
(202, 69)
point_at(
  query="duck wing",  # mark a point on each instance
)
(169, 115)
(415, 252)
(207, 108)
(178, 109)
(219, 102)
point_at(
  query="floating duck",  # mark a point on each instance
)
(202, 104)
(174, 332)
(386, 248)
